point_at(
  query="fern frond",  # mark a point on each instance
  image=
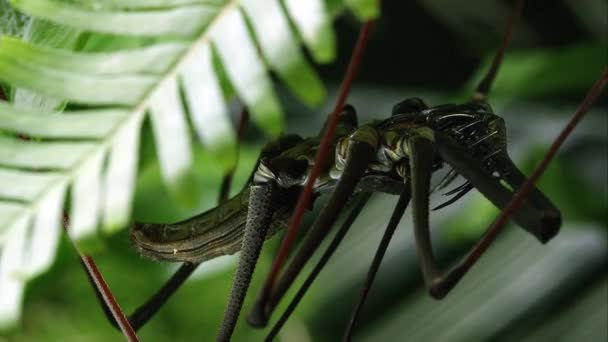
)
(193, 49)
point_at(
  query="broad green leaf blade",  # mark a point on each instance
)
(168, 58)
(119, 179)
(31, 185)
(278, 45)
(94, 124)
(152, 59)
(534, 72)
(44, 33)
(314, 25)
(11, 286)
(145, 4)
(539, 72)
(12, 22)
(81, 88)
(44, 237)
(35, 155)
(183, 21)
(364, 9)
(246, 71)
(207, 106)
(86, 201)
(172, 140)
(10, 213)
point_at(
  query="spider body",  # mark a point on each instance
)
(288, 161)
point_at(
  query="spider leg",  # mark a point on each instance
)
(549, 214)
(443, 284)
(354, 213)
(146, 311)
(402, 203)
(541, 221)
(256, 227)
(422, 156)
(361, 151)
(537, 215)
(347, 121)
(483, 88)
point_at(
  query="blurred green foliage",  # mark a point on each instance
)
(60, 305)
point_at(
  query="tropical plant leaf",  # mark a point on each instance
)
(118, 61)
(11, 21)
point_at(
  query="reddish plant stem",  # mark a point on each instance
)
(100, 283)
(104, 290)
(522, 193)
(304, 199)
(110, 301)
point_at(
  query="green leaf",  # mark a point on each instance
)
(281, 51)
(313, 22)
(113, 63)
(150, 60)
(11, 21)
(364, 9)
(537, 72)
(184, 20)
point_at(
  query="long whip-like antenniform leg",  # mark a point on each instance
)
(361, 150)
(354, 213)
(402, 203)
(256, 227)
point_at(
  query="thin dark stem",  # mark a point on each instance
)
(227, 180)
(521, 194)
(322, 262)
(102, 287)
(143, 314)
(402, 203)
(225, 187)
(104, 291)
(108, 298)
(484, 86)
(304, 199)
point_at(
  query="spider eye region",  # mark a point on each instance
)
(413, 104)
(288, 171)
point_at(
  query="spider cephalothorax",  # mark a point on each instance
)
(472, 125)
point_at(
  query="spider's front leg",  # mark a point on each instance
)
(537, 215)
(360, 151)
(256, 228)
